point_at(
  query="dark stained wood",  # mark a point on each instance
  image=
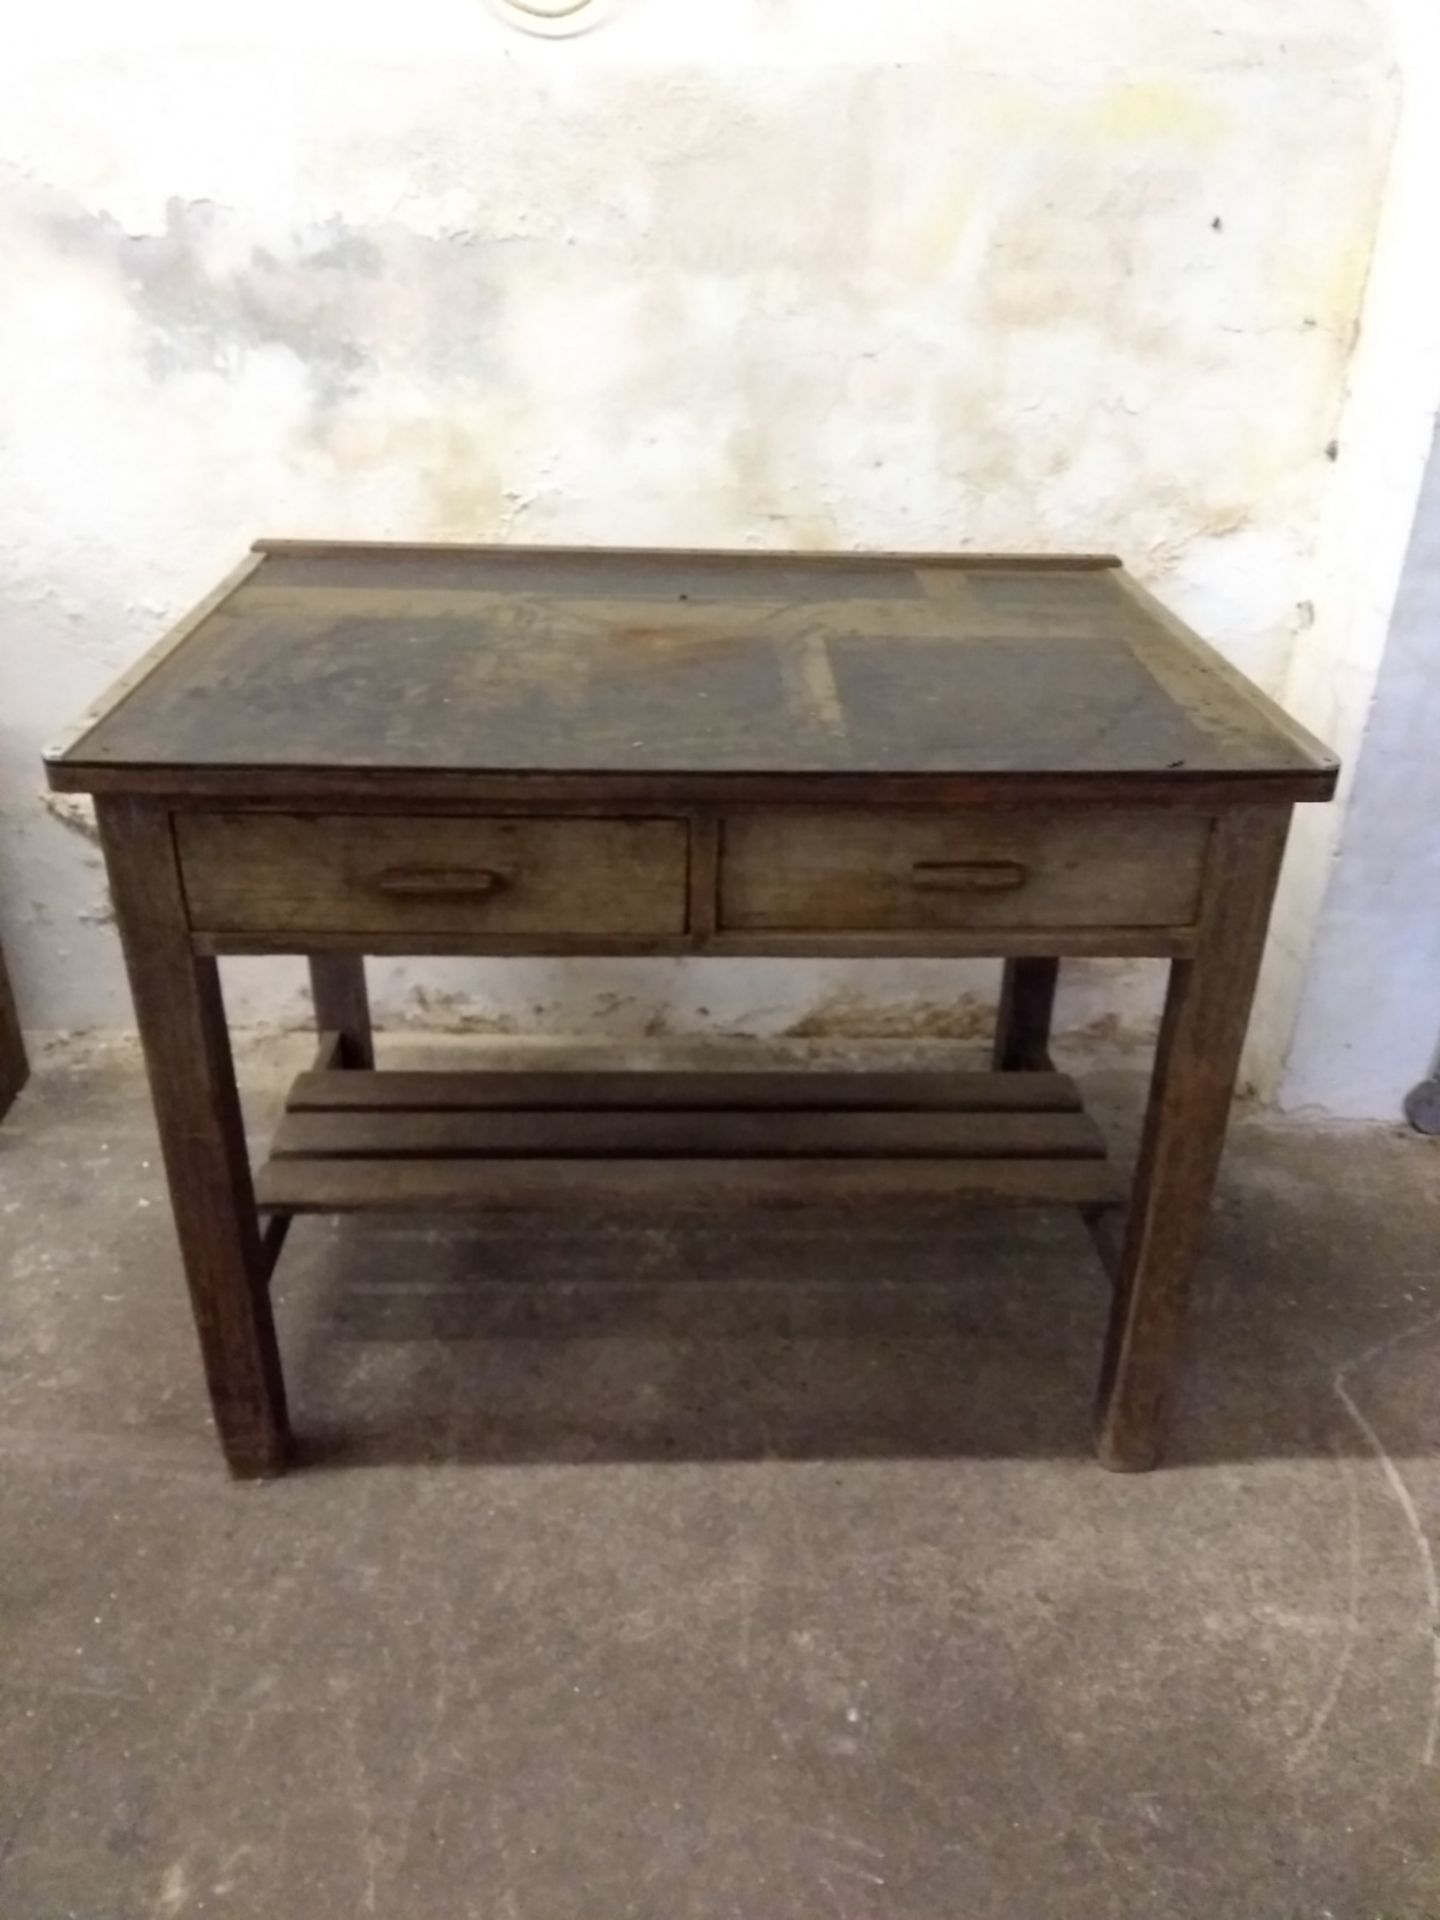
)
(342, 1006)
(406, 662)
(14, 1062)
(643, 1092)
(899, 943)
(286, 788)
(703, 887)
(676, 1133)
(368, 1186)
(1027, 1006)
(192, 1082)
(1206, 1014)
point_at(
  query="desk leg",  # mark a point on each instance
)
(1206, 1013)
(197, 1108)
(337, 984)
(1027, 1005)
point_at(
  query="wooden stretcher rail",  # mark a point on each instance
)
(373, 1142)
(602, 1133)
(398, 1092)
(524, 1185)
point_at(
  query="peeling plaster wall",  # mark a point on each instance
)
(784, 272)
(1339, 681)
(1369, 1019)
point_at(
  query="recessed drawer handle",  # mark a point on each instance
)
(968, 876)
(444, 883)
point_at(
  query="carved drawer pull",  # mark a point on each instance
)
(969, 876)
(442, 883)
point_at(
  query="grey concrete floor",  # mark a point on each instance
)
(733, 1569)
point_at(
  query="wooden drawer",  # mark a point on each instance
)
(877, 873)
(357, 873)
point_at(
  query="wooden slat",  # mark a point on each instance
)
(361, 1186)
(678, 1134)
(757, 557)
(396, 1092)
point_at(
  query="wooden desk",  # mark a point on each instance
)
(353, 750)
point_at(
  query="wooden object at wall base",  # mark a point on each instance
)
(14, 1063)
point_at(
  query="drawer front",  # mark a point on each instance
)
(357, 873)
(875, 873)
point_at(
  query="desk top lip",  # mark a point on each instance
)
(1302, 767)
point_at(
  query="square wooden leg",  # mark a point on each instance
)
(197, 1109)
(1027, 1006)
(1206, 1014)
(342, 1006)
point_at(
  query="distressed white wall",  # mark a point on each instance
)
(1369, 1021)
(774, 272)
(1339, 679)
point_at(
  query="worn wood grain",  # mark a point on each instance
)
(361, 1186)
(406, 661)
(704, 879)
(778, 943)
(677, 1133)
(192, 1082)
(335, 873)
(388, 789)
(520, 1092)
(139, 671)
(829, 871)
(1206, 1013)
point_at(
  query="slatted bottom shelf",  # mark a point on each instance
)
(366, 1142)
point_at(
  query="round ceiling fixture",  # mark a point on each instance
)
(553, 18)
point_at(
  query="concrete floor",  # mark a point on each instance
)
(743, 1570)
